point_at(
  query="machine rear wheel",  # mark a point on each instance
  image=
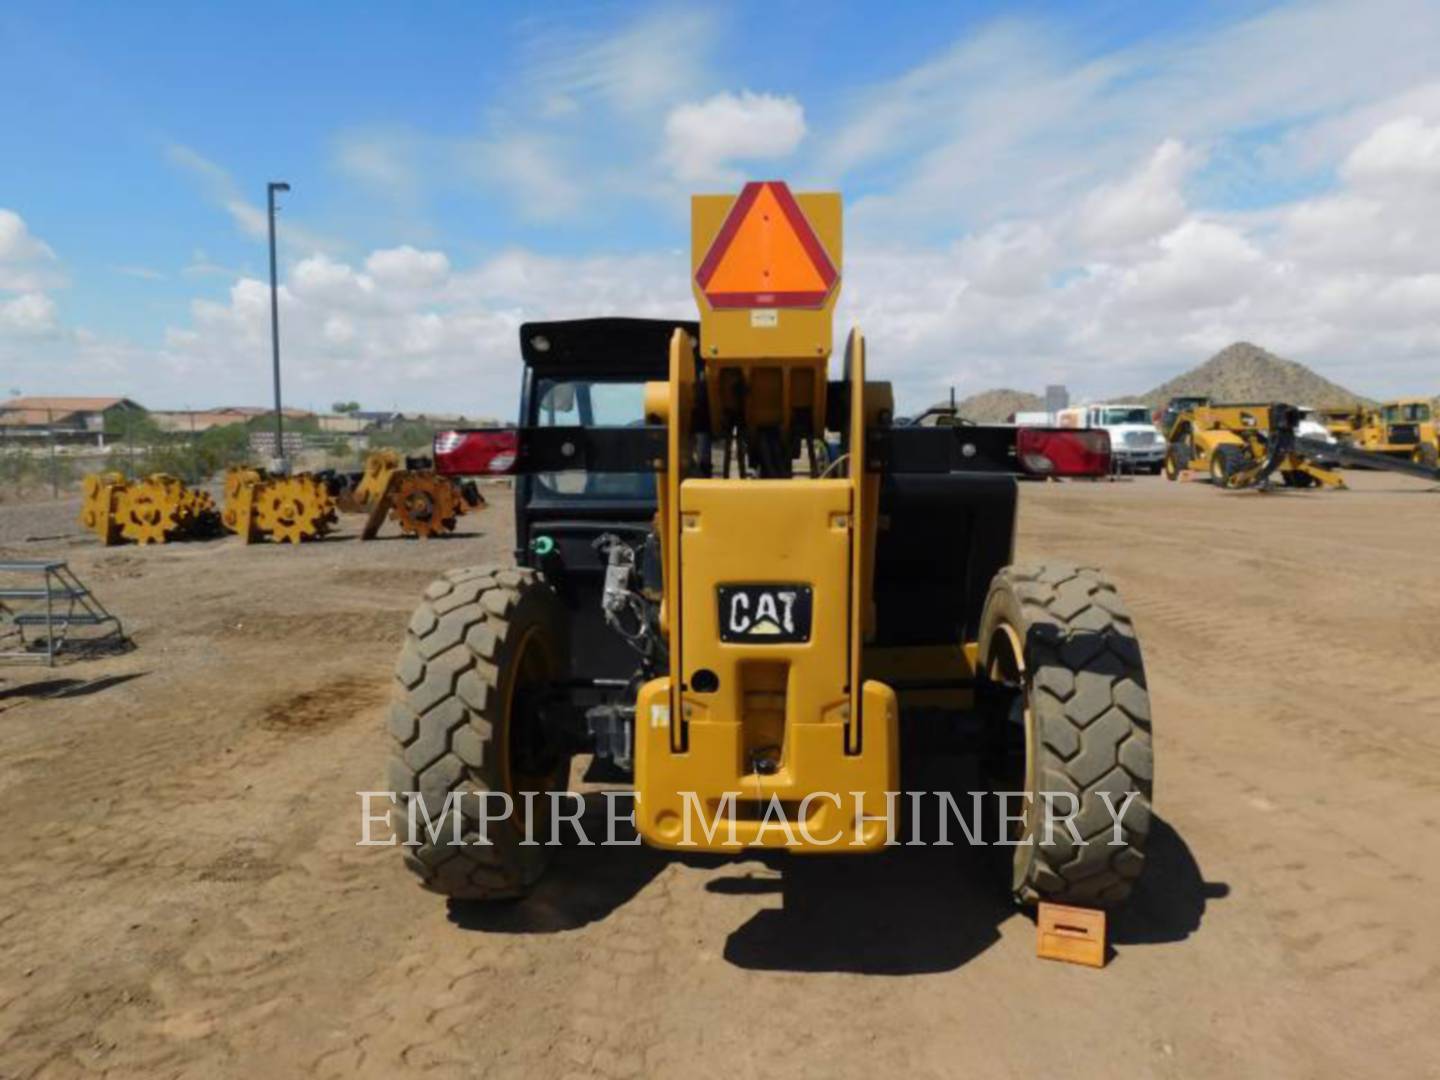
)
(1077, 727)
(1427, 454)
(481, 647)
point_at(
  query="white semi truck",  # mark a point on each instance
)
(1136, 444)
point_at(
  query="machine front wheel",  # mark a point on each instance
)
(1076, 732)
(1177, 459)
(467, 728)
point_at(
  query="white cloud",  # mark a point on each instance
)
(1018, 212)
(405, 328)
(28, 315)
(144, 273)
(702, 139)
(407, 268)
(1403, 152)
(1386, 216)
(1348, 281)
(575, 132)
(1032, 299)
(1009, 258)
(533, 172)
(1013, 119)
(17, 243)
(202, 265)
(641, 67)
(28, 270)
(1140, 207)
(26, 262)
(381, 159)
(251, 218)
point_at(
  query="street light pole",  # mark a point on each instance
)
(270, 190)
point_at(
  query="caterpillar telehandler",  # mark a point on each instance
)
(1246, 446)
(736, 580)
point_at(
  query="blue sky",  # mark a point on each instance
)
(1034, 192)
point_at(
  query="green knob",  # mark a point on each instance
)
(542, 545)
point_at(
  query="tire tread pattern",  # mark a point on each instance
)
(446, 721)
(1092, 718)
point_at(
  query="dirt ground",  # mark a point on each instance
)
(181, 894)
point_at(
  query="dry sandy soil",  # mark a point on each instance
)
(182, 895)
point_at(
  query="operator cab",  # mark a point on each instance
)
(588, 373)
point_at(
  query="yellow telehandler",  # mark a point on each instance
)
(741, 585)
(1245, 446)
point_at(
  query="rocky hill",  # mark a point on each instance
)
(1238, 372)
(1246, 372)
(997, 406)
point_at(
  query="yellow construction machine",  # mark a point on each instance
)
(155, 510)
(1245, 446)
(1404, 429)
(740, 584)
(1342, 421)
(419, 500)
(285, 509)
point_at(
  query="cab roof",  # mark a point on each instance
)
(604, 346)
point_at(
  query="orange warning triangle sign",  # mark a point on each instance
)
(766, 255)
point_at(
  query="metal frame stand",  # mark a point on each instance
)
(59, 602)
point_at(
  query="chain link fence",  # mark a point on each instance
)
(46, 453)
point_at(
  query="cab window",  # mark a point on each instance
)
(591, 403)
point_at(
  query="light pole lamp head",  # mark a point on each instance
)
(279, 185)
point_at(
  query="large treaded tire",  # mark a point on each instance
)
(451, 722)
(1178, 456)
(1225, 460)
(1087, 727)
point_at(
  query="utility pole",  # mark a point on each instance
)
(270, 190)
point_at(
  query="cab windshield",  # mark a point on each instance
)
(1136, 415)
(591, 403)
(1413, 412)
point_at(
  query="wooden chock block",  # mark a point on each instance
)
(1073, 934)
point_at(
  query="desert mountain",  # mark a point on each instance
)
(997, 406)
(1246, 372)
(1238, 372)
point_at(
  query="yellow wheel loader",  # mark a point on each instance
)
(740, 585)
(1404, 429)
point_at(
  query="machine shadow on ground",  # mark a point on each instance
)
(65, 687)
(906, 911)
(925, 910)
(583, 883)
